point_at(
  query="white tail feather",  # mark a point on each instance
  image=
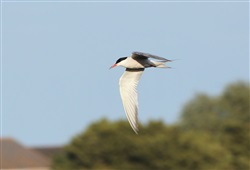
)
(159, 64)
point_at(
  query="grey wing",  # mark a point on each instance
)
(128, 90)
(141, 55)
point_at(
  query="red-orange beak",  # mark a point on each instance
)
(113, 66)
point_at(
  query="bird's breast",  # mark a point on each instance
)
(138, 63)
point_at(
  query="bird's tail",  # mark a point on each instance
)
(160, 64)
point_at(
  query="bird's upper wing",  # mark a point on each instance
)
(128, 90)
(141, 55)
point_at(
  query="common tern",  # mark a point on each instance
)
(135, 65)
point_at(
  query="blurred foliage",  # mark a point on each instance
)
(226, 118)
(213, 133)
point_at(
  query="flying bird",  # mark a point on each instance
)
(135, 65)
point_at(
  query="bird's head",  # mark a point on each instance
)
(119, 62)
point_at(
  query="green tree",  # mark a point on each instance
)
(113, 145)
(226, 117)
(213, 133)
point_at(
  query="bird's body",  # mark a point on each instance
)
(135, 65)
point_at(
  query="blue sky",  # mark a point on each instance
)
(56, 57)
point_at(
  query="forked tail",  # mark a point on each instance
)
(160, 64)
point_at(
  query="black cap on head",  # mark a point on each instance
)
(120, 59)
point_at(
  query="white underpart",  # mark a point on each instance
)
(141, 63)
